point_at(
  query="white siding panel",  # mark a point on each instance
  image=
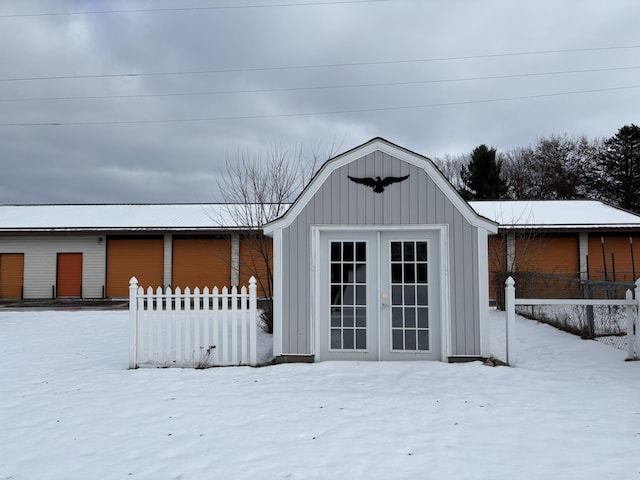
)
(40, 261)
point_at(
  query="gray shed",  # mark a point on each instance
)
(379, 258)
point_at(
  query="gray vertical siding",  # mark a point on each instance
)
(416, 201)
(40, 261)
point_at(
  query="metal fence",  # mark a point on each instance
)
(588, 321)
(626, 309)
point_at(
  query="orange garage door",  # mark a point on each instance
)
(69, 275)
(139, 257)
(556, 255)
(11, 275)
(617, 258)
(201, 262)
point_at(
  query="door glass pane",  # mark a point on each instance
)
(396, 251)
(336, 316)
(347, 339)
(336, 273)
(347, 317)
(336, 338)
(336, 295)
(396, 295)
(409, 273)
(423, 318)
(410, 317)
(421, 270)
(423, 295)
(396, 273)
(408, 251)
(347, 273)
(409, 295)
(347, 251)
(361, 273)
(348, 302)
(397, 340)
(361, 294)
(421, 251)
(423, 340)
(410, 339)
(347, 294)
(396, 317)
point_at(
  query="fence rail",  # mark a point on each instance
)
(631, 304)
(196, 329)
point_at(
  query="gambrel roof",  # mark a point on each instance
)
(380, 144)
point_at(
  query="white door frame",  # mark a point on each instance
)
(315, 280)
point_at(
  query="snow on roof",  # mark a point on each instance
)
(174, 217)
(519, 214)
(212, 216)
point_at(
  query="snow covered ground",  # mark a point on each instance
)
(70, 409)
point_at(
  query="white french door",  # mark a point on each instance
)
(378, 295)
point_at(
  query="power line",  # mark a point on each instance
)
(319, 87)
(313, 66)
(193, 9)
(310, 114)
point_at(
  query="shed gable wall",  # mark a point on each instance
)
(416, 201)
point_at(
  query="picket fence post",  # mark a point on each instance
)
(253, 320)
(633, 327)
(510, 308)
(631, 319)
(133, 323)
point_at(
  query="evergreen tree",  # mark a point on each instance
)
(619, 169)
(482, 176)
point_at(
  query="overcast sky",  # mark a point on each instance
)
(433, 76)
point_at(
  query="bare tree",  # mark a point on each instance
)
(451, 166)
(559, 167)
(256, 190)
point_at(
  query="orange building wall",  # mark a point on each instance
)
(620, 247)
(553, 255)
(252, 262)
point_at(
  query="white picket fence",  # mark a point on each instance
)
(632, 312)
(196, 329)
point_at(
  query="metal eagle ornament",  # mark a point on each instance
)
(378, 184)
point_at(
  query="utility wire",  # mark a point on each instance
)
(319, 87)
(310, 114)
(313, 66)
(193, 9)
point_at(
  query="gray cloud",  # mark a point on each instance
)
(182, 161)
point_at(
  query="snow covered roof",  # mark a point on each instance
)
(555, 214)
(119, 217)
(548, 214)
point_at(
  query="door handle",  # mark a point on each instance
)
(385, 300)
